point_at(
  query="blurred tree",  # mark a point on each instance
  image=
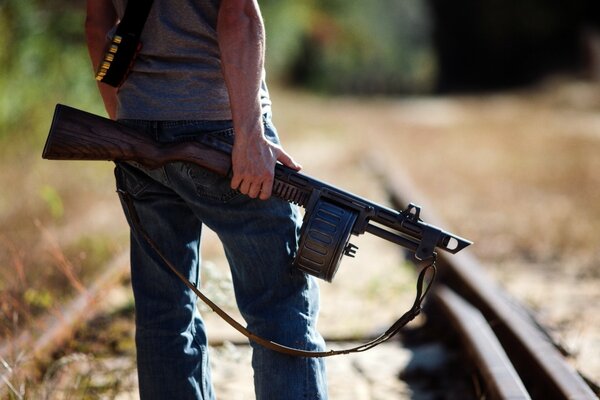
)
(350, 46)
(42, 61)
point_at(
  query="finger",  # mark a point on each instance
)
(236, 181)
(254, 190)
(245, 187)
(266, 190)
(288, 161)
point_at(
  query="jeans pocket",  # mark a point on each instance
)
(130, 179)
(210, 185)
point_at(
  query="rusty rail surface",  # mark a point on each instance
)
(540, 365)
(499, 375)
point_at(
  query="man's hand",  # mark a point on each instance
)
(253, 166)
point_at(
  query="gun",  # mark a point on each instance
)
(331, 215)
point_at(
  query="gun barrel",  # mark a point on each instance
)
(403, 228)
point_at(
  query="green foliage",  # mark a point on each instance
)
(286, 23)
(38, 298)
(351, 46)
(43, 62)
(53, 201)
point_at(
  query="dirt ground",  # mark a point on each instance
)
(515, 172)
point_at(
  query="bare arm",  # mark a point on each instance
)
(100, 18)
(241, 38)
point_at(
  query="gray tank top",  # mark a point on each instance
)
(177, 75)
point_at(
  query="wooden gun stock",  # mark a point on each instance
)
(79, 135)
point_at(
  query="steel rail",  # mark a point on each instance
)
(541, 366)
(493, 365)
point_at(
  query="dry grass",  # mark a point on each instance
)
(55, 235)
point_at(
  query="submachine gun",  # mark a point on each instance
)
(331, 214)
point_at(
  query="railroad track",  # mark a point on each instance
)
(514, 358)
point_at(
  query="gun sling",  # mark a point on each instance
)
(422, 290)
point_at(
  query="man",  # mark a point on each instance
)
(200, 72)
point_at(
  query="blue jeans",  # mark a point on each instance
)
(260, 240)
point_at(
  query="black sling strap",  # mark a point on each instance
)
(125, 44)
(423, 287)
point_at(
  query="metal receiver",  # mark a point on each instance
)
(332, 215)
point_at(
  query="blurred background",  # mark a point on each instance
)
(490, 106)
(333, 47)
